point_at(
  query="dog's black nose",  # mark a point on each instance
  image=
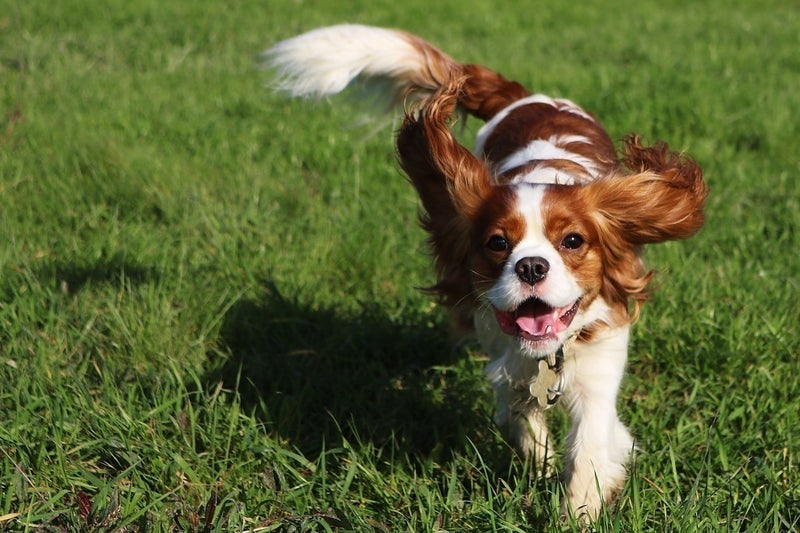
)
(532, 269)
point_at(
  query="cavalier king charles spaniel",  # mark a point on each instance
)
(536, 233)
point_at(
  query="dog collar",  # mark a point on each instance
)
(547, 386)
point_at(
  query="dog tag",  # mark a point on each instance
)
(545, 387)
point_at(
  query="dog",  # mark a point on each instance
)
(536, 233)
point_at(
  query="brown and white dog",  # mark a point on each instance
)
(536, 233)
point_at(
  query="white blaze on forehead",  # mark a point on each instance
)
(529, 205)
(535, 243)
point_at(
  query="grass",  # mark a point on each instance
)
(209, 315)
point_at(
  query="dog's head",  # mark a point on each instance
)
(551, 260)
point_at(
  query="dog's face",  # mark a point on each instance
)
(536, 261)
(551, 260)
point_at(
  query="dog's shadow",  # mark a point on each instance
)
(318, 375)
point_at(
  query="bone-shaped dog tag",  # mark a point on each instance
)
(544, 388)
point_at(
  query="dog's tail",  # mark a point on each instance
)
(325, 61)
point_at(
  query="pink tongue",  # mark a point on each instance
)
(536, 325)
(535, 317)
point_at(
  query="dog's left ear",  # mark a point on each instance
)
(661, 199)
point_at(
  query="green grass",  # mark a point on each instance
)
(209, 314)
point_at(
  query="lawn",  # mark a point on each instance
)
(210, 315)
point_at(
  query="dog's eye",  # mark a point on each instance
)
(573, 241)
(497, 243)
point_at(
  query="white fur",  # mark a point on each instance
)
(325, 61)
(598, 444)
(546, 175)
(540, 149)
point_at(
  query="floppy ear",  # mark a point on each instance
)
(452, 185)
(661, 199)
(446, 175)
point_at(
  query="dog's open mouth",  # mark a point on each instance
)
(534, 320)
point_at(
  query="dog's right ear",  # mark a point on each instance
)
(451, 182)
(441, 169)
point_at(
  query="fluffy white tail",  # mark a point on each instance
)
(325, 61)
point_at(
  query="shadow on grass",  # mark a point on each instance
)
(115, 269)
(70, 277)
(316, 376)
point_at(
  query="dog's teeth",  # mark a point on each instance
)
(548, 329)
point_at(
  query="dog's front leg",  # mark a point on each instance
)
(598, 444)
(527, 432)
(598, 447)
